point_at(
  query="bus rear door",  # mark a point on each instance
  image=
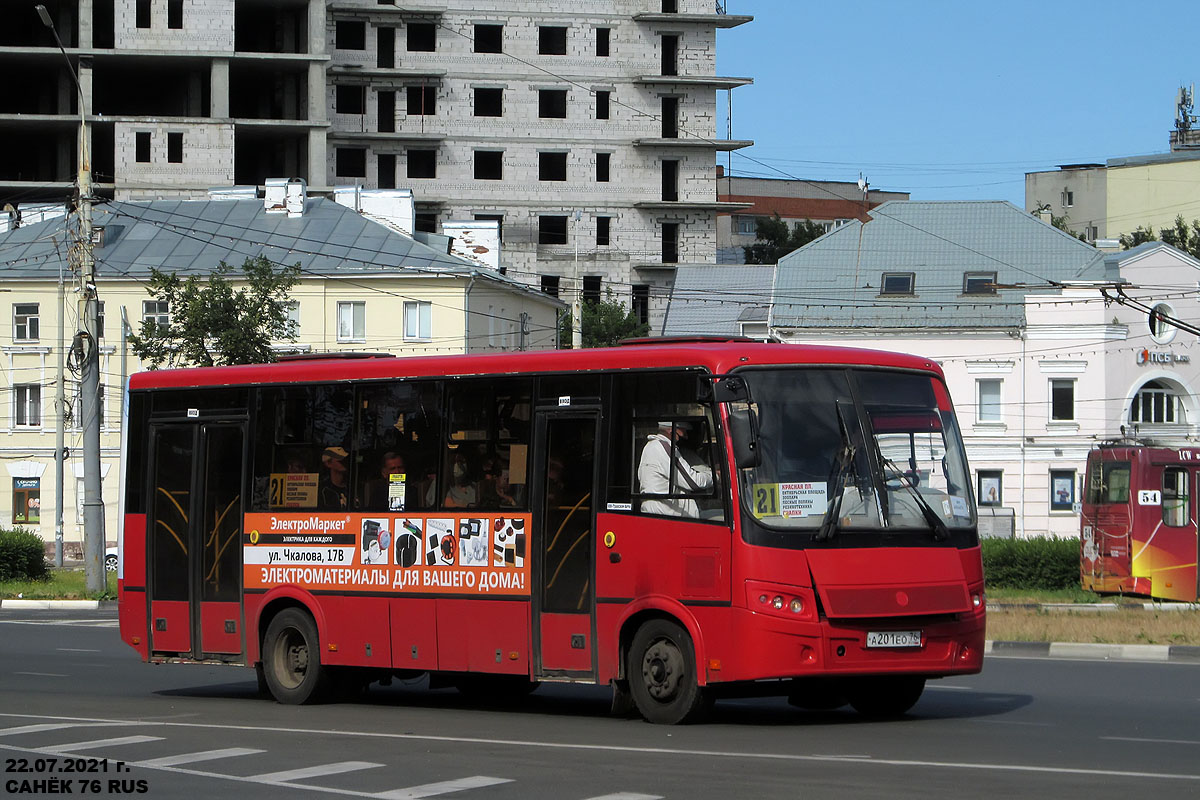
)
(564, 532)
(194, 539)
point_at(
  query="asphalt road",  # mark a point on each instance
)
(72, 695)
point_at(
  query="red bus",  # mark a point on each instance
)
(676, 519)
(1138, 531)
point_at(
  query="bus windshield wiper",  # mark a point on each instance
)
(940, 531)
(845, 462)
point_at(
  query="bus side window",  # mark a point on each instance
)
(485, 457)
(296, 428)
(1175, 505)
(397, 431)
(659, 420)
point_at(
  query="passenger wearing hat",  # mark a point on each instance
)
(333, 490)
(665, 469)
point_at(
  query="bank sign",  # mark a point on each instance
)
(1146, 356)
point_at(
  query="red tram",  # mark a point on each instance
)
(1138, 531)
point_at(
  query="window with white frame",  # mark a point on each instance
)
(27, 405)
(1155, 403)
(1161, 330)
(1062, 400)
(25, 322)
(157, 312)
(291, 310)
(746, 226)
(418, 320)
(988, 393)
(352, 321)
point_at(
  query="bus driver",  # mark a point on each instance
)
(660, 462)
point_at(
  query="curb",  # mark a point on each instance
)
(51, 605)
(1174, 653)
(1092, 608)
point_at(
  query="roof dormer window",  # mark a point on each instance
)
(897, 283)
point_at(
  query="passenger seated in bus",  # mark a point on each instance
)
(393, 479)
(494, 489)
(333, 488)
(463, 491)
(658, 465)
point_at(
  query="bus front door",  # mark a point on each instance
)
(563, 544)
(194, 539)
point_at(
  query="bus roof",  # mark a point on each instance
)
(717, 357)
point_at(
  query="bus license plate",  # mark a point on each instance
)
(894, 639)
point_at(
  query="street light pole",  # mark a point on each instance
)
(89, 312)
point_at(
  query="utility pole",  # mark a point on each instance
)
(60, 422)
(89, 349)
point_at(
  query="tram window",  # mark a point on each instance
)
(303, 448)
(657, 419)
(1175, 506)
(1108, 482)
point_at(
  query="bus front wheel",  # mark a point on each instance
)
(885, 696)
(662, 674)
(292, 659)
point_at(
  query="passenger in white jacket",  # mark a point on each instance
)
(659, 460)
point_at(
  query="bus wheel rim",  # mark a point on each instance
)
(294, 654)
(662, 670)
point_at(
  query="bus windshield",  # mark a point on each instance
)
(855, 450)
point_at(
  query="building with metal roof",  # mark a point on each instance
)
(363, 286)
(1049, 345)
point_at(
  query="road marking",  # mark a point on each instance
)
(311, 772)
(627, 796)
(1151, 741)
(39, 728)
(441, 787)
(77, 650)
(44, 674)
(630, 750)
(192, 758)
(97, 743)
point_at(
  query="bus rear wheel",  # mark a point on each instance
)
(885, 696)
(662, 674)
(292, 659)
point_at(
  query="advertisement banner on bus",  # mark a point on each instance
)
(410, 554)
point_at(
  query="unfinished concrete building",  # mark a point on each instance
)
(588, 132)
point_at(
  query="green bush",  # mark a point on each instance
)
(22, 555)
(1041, 563)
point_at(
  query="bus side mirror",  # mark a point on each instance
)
(743, 431)
(731, 389)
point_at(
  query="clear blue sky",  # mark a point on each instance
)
(952, 100)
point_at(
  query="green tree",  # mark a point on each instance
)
(1183, 236)
(1063, 223)
(775, 239)
(604, 324)
(212, 323)
(1139, 236)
